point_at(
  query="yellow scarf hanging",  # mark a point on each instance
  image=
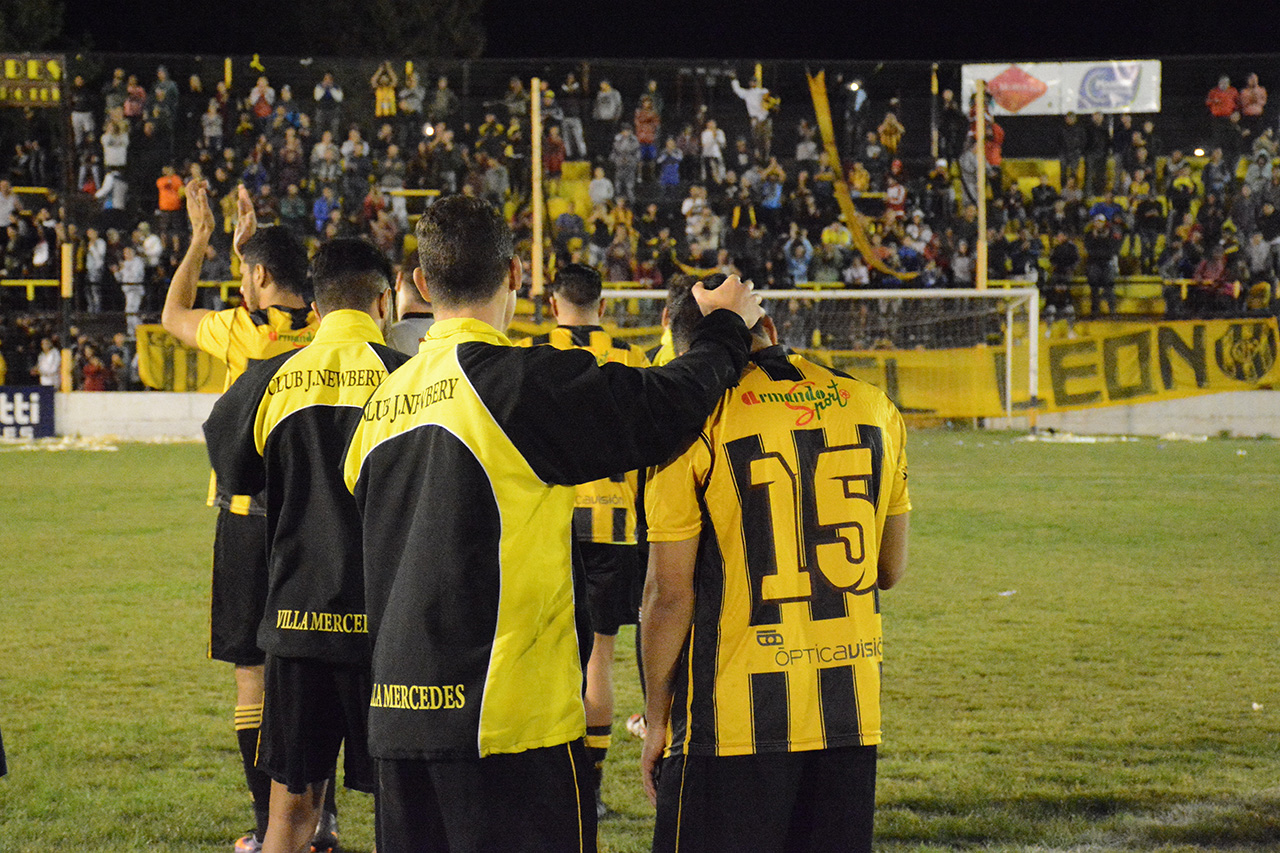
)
(856, 221)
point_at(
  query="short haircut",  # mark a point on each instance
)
(579, 284)
(349, 273)
(464, 250)
(282, 255)
(684, 314)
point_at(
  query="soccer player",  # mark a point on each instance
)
(770, 540)
(604, 514)
(283, 427)
(462, 468)
(273, 318)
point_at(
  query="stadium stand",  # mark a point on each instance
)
(1190, 194)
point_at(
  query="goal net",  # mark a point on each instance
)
(937, 353)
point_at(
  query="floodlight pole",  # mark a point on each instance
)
(980, 157)
(933, 112)
(535, 196)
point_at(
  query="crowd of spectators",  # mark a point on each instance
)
(747, 188)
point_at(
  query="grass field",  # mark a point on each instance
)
(1084, 655)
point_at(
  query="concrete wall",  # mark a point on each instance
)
(143, 415)
(1240, 413)
(132, 414)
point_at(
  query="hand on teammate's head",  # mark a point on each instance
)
(733, 295)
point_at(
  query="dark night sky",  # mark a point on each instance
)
(855, 29)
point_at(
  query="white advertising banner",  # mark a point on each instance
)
(1055, 88)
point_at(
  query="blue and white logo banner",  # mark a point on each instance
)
(1055, 88)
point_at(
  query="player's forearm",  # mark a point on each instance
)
(181, 297)
(665, 619)
(892, 563)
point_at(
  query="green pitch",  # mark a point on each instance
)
(1083, 655)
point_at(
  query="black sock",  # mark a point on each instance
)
(330, 804)
(248, 719)
(598, 741)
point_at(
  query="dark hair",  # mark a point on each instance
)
(579, 284)
(349, 273)
(683, 311)
(282, 255)
(464, 249)
(684, 314)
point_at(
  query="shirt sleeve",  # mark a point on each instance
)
(899, 499)
(575, 421)
(671, 495)
(213, 335)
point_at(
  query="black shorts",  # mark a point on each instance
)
(783, 801)
(611, 585)
(239, 588)
(537, 801)
(309, 709)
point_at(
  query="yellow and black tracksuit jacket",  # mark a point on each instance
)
(463, 468)
(283, 427)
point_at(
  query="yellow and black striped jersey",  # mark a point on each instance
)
(787, 491)
(283, 427)
(462, 467)
(241, 337)
(604, 511)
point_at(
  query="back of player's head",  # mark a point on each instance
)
(282, 255)
(464, 249)
(349, 273)
(684, 314)
(579, 284)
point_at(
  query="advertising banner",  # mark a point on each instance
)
(1056, 88)
(31, 79)
(26, 412)
(1109, 364)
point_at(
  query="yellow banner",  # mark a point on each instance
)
(166, 364)
(1110, 364)
(1107, 364)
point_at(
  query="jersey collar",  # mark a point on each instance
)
(770, 353)
(346, 326)
(458, 329)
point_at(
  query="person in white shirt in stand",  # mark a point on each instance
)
(713, 143)
(131, 272)
(9, 204)
(95, 264)
(756, 99)
(48, 364)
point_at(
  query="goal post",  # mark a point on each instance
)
(938, 353)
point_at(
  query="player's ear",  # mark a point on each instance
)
(515, 273)
(316, 310)
(420, 282)
(600, 308)
(766, 324)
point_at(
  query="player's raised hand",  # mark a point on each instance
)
(198, 209)
(734, 295)
(247, 218)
